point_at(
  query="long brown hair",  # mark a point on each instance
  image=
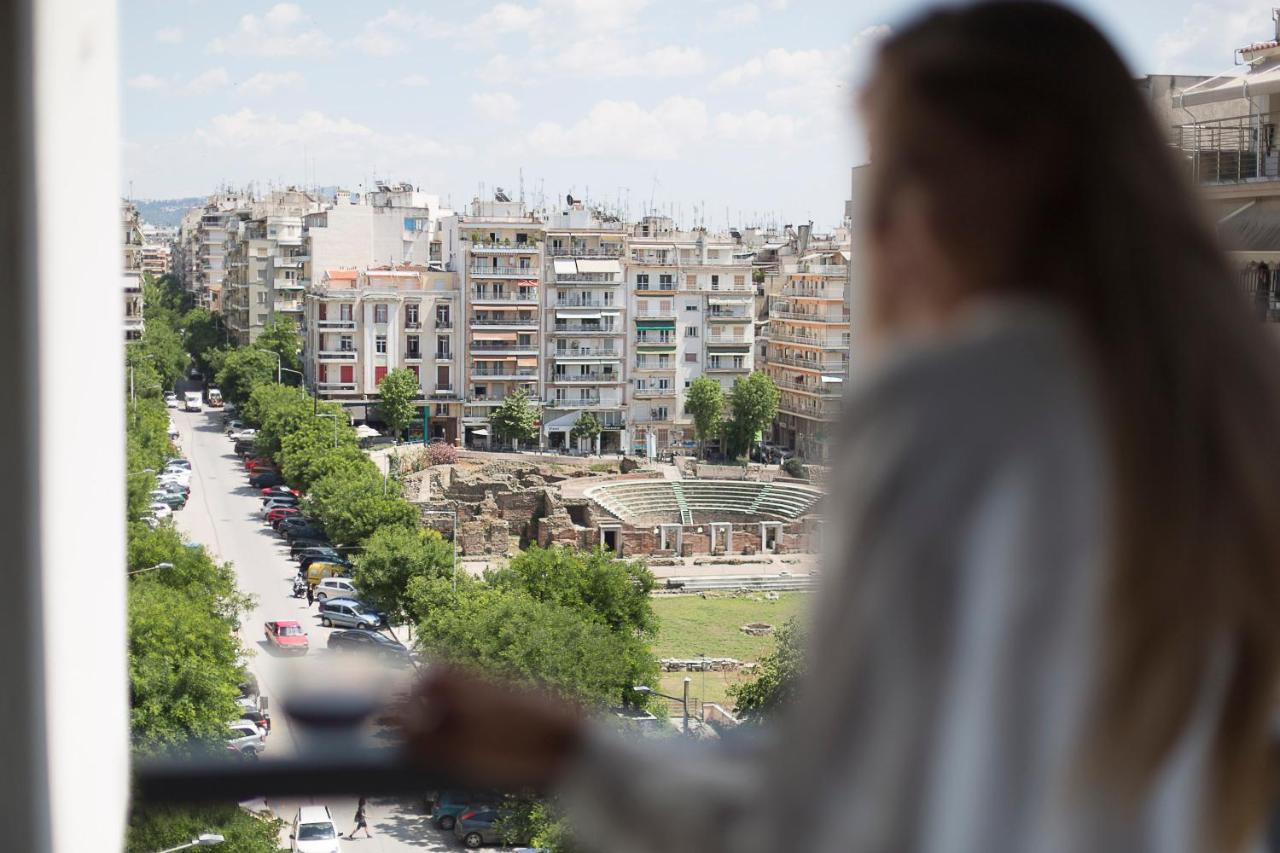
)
(1047, 175)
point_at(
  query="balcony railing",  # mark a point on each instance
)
(573, 402)
(442, 390)
(1230, 150)
(511, 296)
(413, 355)
(661, 287)
(588, 352)
(444, 355)
(805, 317)
(505, 373)
(715, 340)
(578, 252)
(670, 340)
(822, 269)
(820, 389)
(583, 303)
(595, 377)
(585, 329)
(485, 271)
(727, 367)
(807, 364)
(526, 248)
(502, 347)
(642, 364)
(729, 316)
(806, 292)
(335, 324)
(443, 324)
(810, 407)
(336, 355)
(655, 314)
(510, 320)
(412, 324)
(336, 386)
(649, 392)
(808, 340)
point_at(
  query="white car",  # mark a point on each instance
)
(171, 400)
(246, 738)
(313, 831)
(175, 475)
(160, 511)
(173, 430)
(244, 434)
(335, 588)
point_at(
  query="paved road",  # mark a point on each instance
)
(224, 516)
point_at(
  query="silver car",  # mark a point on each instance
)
(246, 738)
(349, 613)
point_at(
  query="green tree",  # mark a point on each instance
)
(776, 677)
(159, 828)
(280, 336)
(516, 419)
(353, 504)
(202, 332)
(585, 427)
(389, 561)
(242, 370)
(754, 406)
(705, 402)
(147, 446)
(308, 455)
(396, 394)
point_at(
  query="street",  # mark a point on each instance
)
(224, 515)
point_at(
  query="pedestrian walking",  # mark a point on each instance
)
(361, 822)
(311, 595)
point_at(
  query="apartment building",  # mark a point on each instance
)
(157, 253)
(807, 350)
(221, 212)
(131, 269)
(691, 309)
(263, 258)
(359, 324)
(500, 260)
(584, 322)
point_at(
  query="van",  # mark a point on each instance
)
(192, 402)
(314, 831)
(317, 572)
(214, 397)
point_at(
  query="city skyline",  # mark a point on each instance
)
(741, 114)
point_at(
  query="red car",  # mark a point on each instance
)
(287, 636)
(282, 512)
(277, 491)
(257, 462)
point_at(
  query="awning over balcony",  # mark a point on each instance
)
(493, 358)
(656, 324)
(494, 336)
(527, 362)
(1261, 79)
(599, 267)
(566, 267)
(1253, 229)
(715, 300)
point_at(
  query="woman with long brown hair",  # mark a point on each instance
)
(1051, 620)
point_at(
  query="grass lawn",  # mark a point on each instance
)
(693, 625)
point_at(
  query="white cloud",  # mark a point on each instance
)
(169, 35)
(274, 34)
(607, 56)
(375, 43)
(623, 129)
(673, 61)
(757, 126)
(1208, 35)
(495, 106)
(507, 18)
(265, 83)
(415, 81)
(737, 16)
(147, 82)
(778, 5)
(814, 65)
(207, 81)
(386, 34)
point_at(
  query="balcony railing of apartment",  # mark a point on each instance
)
(600, 279)
(655, 314)
(442, 389)
(820, 389)
(716, 339)
(508, 320)
(583, 302)
(336, 355)
(803, 291)
(295, 305)
(728, 367)
(660, 259)
(809, 340)
(502, 347)
(413, 355)
(834, 368)
(807, 317)
(822, 269)
(443, 355)
(668, 287)
(504, 372)
(654, 364)
(502, 271)
(669, 340)
(587, 352)
(1230, 150)
(335, 324)
(810, 407)
(413, 324)
(336, 386)
(505, 296)
(729, 316)
(500, 246)
(573, 402)
(443, 324)
(583, 252)
(594, 377)
(648, 392)
(496, 399)
(586, 329)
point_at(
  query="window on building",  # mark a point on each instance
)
(379, 313)
(411, 344)
(691, 281)
(664, 359)
(262, 319)
(692, 306)
(411, 314)
(715, 282)
(658, 413)
(666, 278)
(262, 297)
(442, 410)
(345, 344)
(642, 279)
(688, 383)
(344, 312)
(380, 344)
(713, 254)
(739, 281)
(691, 358)
(690, 331)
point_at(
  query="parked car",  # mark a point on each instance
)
(298, 521)
(322, 555)
(313, 831)
(170, 499)
(370, 642)
(178, 461)
(254, 707)
(282, 491)
(298, 546)
(191, 402)
(171, 400)
(349, 613)
(244, 433)
(245, 446)
(266, 478)
(252, 463)
(278, 503)
(172, 431)
(450, 804)
(313, 531)
(214, 396)
(476, 827)
(174, 488)
(280, 513)
(333, 586)
(287, 636)
(230, 424)
(246, 739)
(318, 570)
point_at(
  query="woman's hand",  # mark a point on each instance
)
(490, 734)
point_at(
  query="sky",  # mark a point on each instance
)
(717, 112)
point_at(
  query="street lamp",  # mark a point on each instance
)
(206, 839)
(684, 701)
(446, 513)
(335, 424)
(281, 370)
(152, 568)
(142, 472)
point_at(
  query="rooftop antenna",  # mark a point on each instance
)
(522, 184)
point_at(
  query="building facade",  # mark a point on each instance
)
(131, 270)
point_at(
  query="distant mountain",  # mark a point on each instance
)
(166, 212)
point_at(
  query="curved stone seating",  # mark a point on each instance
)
(631, 500)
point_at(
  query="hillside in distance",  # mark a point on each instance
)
(166, 212)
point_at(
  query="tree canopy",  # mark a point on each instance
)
(705, 402)
(776, 678)
(242, 370)
(202, 332)
(391, 559)
(586, 427)
(158, 828)
(754, 406)
(517, 418)
(396, 394)
(352, 505)
(280, 335)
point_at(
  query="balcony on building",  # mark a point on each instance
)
(654, 313)
(786, 311)
(649, 392)
(654, 257)
(581, 353)
(824, 289)
(336, 355)
(725, 311)
(441, 324)
(586, 271)
(413, 355)
(504, 368)
(335, 387)
(583, 300)
(524, 294)
(505, 319)
(813, 408)
(503, 271)
(728, 365)
(336, 325)
(291, 306)
(503, 247)
(832, 366)
(604, 250)
(808, 339)
(568, 402)
(501, 342)
(824, 386)
(647, 363)
(587, 325)
(593, 377)
(443, 390)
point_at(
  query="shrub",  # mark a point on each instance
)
(795, 468)
(441, 454)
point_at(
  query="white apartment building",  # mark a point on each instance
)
(808, 339)
(157, 252)
(584, 324)
(500, 260)
(131, 270)
(691, 304)
(360, 324)
(209, 245)
(264, 257)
